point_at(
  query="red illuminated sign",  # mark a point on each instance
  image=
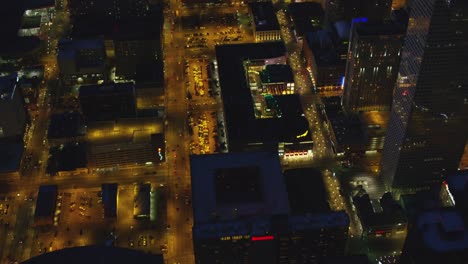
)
(261, 238)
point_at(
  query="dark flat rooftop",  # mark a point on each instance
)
(46, 201)
(242, 126)
(107, 89)
(265, 181)
(137, 28)
(109, 199)
(67, 157)
(66, 125)
(36, 4)
(306, 191)
(96, 255)
(307, 16)
(10, 155)
(373, 29)
(323, 46)
(238, 185)
(264, 16)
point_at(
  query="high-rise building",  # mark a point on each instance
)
(372, 66)
(428, 126)
(245, 211)
(13, 114)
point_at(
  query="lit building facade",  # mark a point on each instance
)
(372, 66)
(428, 123)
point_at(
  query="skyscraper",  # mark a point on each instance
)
(428, 126)
(372, 66)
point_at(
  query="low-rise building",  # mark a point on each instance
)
(46, 205)
(306, 17)
(67, 159)
(246, 210)
(266, 26)
(82, 61)
(323, 61)
(380, 219)
(256, 120)
(110, 193)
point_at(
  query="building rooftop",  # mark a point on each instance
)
(36, 4)
(443, 230)
(8, 86)
(379, 28)
(457, 185)
(322, 43)
(46, 201)
(347, 129)
(277, 73)
(342, 29)
(109, 199)
(96, 255)
(243, 128)
(66, 125)
(10, 155)
(306, 191)
(235, 185)
(263, 225)
(107, 89)
(458, 182)
(388, 213)
(306, 16)
(144, 27)
(142, 200)
(10, 21)
(264, 16)
(319, 220)
(70, 49)
(238, 185)
(67, 157)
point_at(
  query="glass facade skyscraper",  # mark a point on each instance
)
(428, 127)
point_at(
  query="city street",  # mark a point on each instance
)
(192, 125)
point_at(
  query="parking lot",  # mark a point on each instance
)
(80, 221)
(215, 27)
(199, 82)
(204, 133)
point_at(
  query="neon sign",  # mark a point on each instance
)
(262, 238)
